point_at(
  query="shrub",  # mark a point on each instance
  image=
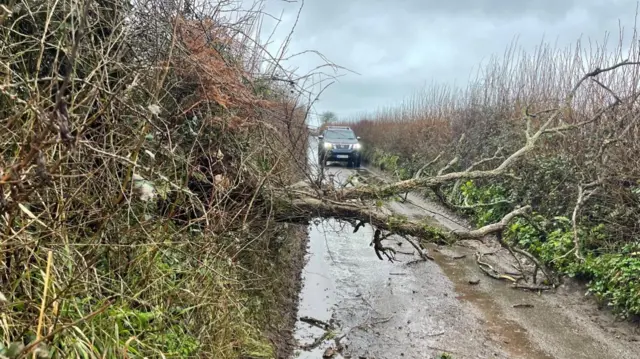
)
(483, 120)
(136, 141)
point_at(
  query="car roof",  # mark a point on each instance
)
(339, 128)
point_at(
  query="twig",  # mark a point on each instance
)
(317, 341)
(524, 305)
(532, 287)
(448, 165)
(584, 193)
(405, 253)
(428, 164)
(423, 252)
(35, 343)
(597, 72)
(316, 323)
(47, 278)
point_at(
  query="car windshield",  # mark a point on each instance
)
(339, 135)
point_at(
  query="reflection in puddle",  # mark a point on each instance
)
(332, 245)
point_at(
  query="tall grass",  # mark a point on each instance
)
(138, 140)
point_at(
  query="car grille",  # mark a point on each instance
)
(343, 147)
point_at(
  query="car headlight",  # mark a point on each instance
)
(327, 146)
(356, 146)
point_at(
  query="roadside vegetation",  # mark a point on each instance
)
(138, 145)
(582, 181)
(152, 152)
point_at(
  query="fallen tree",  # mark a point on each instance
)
(167, 108)
(361, 202)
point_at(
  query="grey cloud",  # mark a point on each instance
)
(398, 45)
(491, 8)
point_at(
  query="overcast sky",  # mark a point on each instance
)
(396, 46)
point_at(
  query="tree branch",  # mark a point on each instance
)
(584, 193)
(595, 73)
(350, 202)
(429, 164)
(449, 165)
(305, 206)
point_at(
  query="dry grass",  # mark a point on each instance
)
(138, 145)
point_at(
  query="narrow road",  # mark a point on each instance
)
(411, 309)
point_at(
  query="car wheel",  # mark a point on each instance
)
(356, 163)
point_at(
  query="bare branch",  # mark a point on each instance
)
(494, 227)
(595, 73)
(428, 164)
(584, 193)
(496, 156)
(448, 165)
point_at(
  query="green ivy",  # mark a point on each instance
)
(615, 279)
(611, 272)
(612, 277)
(473, 194)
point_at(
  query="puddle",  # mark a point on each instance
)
(389, 310)
(335, 253)
(317, 296)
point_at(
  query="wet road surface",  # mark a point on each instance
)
(422, 309)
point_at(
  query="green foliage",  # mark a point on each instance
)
(439, 124)
(551, 247)
(396, 220)
(474, 194)
(387, 162)
(144, 214)
(437, 234)
(613, 277)
(546, 184)
(612, 274)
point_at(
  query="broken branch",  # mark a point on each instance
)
(584, 193)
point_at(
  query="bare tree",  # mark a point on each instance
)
(327, 118)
